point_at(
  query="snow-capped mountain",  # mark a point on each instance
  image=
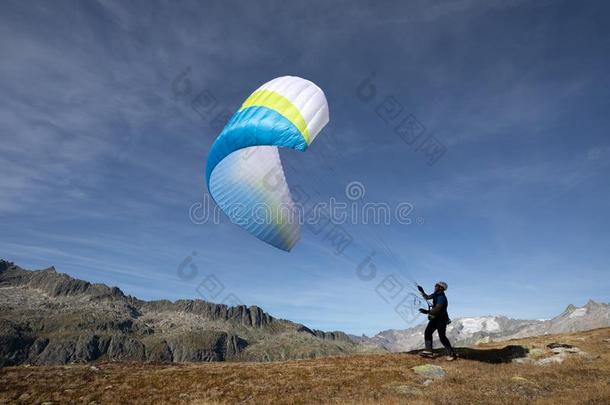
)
(574, 319)
(471, 330)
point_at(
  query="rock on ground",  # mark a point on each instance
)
(550, 360)
(535, 352)
(408, 390)
(430, 371)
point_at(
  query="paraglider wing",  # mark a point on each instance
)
(244, 172)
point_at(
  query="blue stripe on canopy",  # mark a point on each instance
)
(254, 126)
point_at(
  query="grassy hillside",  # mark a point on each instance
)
(486, 374)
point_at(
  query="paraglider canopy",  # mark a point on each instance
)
(244, 172)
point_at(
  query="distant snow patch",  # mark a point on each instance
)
(479, 324)
(578, 312)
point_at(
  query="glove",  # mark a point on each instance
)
(420, 288)
(424, 311)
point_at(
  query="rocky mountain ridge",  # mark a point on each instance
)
(48, 317)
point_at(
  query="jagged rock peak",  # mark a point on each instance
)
(593, 304)
(5, 264)
(247, 316)
(58, 284)
(334, 335)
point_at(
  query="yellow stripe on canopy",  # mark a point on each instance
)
(279, 103)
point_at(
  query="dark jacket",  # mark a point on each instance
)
(440, 300)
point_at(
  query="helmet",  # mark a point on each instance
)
(443, 284)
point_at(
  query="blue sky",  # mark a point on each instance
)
(102, 159)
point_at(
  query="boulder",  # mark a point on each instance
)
(559, 345)
(408, 390)
(430, 371)
(550, 360)
(536, 352)
(560, 350)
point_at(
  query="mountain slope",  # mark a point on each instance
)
(51, 318)
(469, 331)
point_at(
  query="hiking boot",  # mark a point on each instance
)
(451, 358)
(426, 353)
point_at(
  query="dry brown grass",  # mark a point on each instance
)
(366, 378)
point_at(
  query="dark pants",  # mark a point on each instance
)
(439, 325)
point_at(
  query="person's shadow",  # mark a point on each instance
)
(494, 356)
